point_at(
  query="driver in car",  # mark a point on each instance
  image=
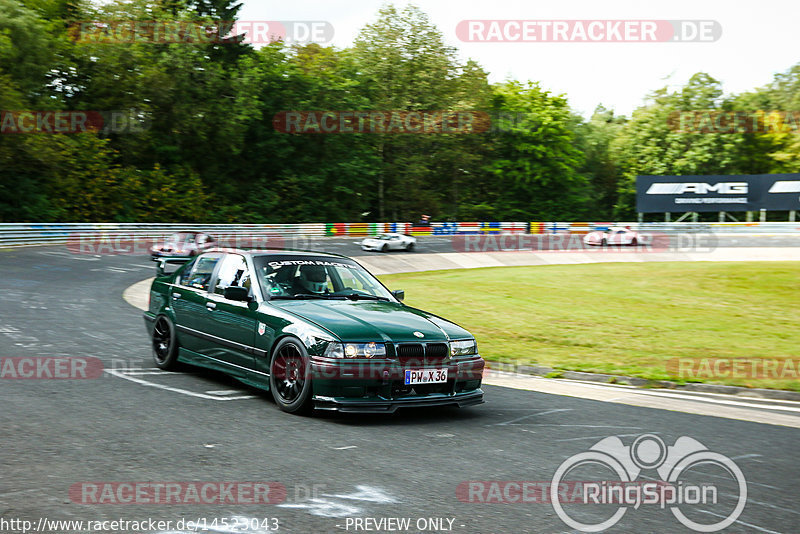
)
(312, 279)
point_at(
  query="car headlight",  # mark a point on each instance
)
(463, 348)
(355, 350)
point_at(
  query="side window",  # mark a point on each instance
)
(200, 277)
(183, 279)
(233, 272)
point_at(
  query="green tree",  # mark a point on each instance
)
(534, 159)
(649, 143)
(405, 65)
(594, 138)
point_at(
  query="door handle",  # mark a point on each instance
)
(211, 305)
(176, 296)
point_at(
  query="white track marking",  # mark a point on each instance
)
(715, 401)
(120, 374)
(365, 493)
(332, 507)
(712, 475)
(748, 525)
(748, 456)
(325, 508)
(591, 426)
(346, 447)
(144, 373)
(776, 412)
(599, 437)
(546, 412)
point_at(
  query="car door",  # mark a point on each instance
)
(617, 237)
(189, 297)
(231, 324)
(395, 243)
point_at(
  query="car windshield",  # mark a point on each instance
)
(293, 277)
(384, 237)
(178, 237)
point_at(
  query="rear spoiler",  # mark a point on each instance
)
(161, 263)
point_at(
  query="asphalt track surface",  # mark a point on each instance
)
(700, 242)
(137, 424)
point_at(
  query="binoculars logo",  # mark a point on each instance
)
(647, 452)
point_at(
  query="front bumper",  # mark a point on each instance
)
(378, 386)
(368, 405)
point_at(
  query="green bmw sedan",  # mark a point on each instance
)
(317, 330)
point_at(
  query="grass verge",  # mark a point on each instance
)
(622, 318)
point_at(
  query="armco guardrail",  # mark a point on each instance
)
(19, 234)
(669, 227)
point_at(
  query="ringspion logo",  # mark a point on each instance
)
(674, 489)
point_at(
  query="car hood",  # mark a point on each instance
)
(373, 320)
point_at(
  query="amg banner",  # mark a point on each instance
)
(738, 192)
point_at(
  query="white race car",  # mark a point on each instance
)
(616, 235)
(387, 242)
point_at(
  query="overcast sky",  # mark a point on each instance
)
(759, 38)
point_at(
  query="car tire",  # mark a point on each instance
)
(290, 376)
(603, 242)
(634, 242)
(385, 248)
(409, 247)
(165, 344)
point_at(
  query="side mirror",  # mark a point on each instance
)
(241, 294)
(162, 263)
(399, 294)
